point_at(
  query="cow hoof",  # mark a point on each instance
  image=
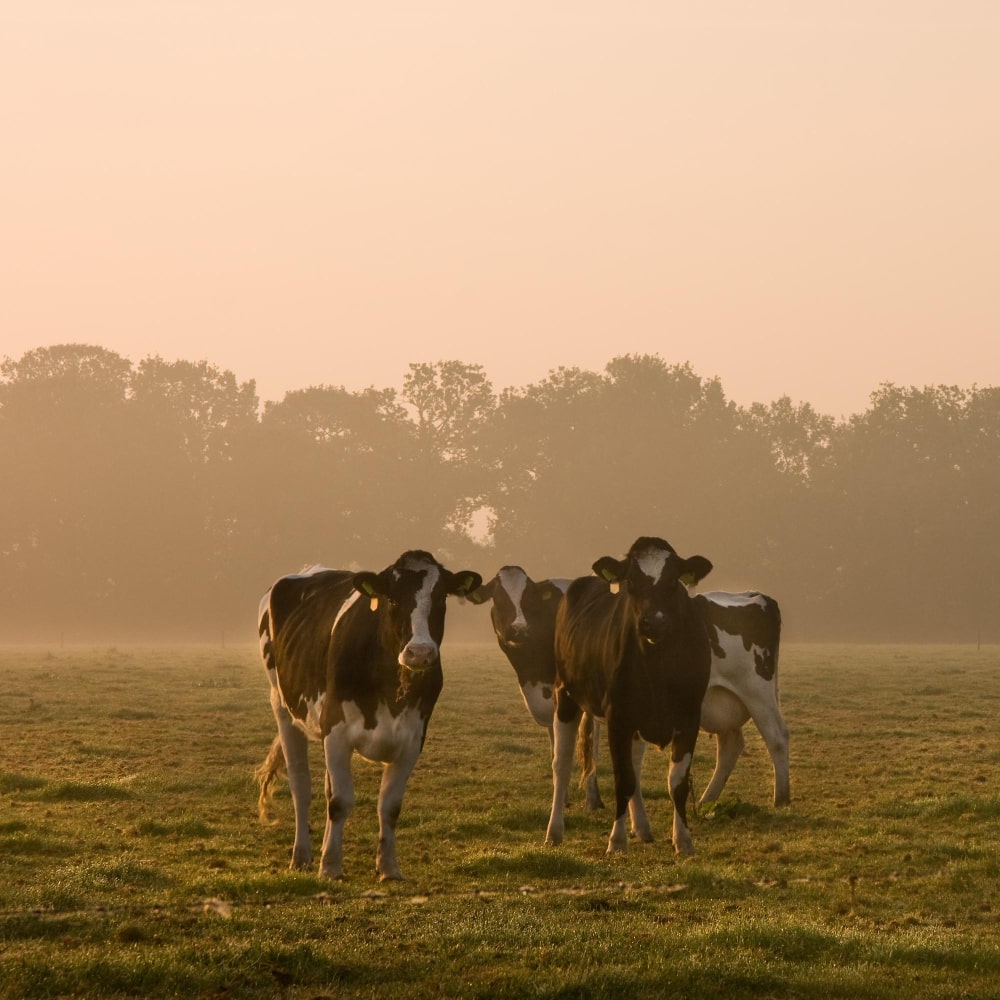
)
(300, 864)
(594, 804)
(685, 849)
(332, 874)
(643, 836)
(552, 840)
(391, 877)
(616, 848)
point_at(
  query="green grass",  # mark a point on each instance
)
(132, 863)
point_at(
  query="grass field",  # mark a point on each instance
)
(133, 864)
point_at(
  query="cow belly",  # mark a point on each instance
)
(722, 711)
(391, 738)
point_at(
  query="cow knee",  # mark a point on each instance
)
(338, 808)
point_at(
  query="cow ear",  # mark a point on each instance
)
(464, 583)
(694, 569)
(549, 591)
(368, 584)
(482, 594)
(609, 569)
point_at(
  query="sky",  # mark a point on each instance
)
(798, 198)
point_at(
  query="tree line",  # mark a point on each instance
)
(158, 498)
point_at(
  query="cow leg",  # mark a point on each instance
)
(552, 753)
(636, 806)
(762, 706)
(566, 723)
(620, 749)
(728, 749)
(594, 800)
(679, 784)
(775, 733)
(295, 747)
(723, 714)
(390, 801)
(339, 800)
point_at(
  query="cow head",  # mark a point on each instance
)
(654, 581)
(410, 595)
(518, 602)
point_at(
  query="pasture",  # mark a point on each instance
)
(133, 863)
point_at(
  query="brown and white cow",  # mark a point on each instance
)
(353, 660)
(744, 632)
(635, 653)
(523, 612)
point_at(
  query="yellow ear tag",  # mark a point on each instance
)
(374, 604)
(615, 587)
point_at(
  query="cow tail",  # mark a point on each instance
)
(585, 747)
(274, 765)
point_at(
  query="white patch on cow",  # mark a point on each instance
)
(561, 582)
(735, 670)
(515, 582)
(311, 724)
(745, 600)
(678, 772)
(344, 608)
(538, 698)
(653, 561)
(392, 738)
(420, 617)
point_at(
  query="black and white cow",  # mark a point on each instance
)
(635, 653)
(353, 660)
(523, 613)
(744, 632)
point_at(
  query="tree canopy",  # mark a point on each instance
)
(160, 498)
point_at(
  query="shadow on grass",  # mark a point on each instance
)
(543, 863)
(75, 791)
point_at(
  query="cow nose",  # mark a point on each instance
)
(418, 655)
(516, 632)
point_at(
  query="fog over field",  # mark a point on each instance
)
(159, 499)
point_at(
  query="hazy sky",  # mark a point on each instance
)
(798, 197)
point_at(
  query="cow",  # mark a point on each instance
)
(636, 654)
(523, 612)
(744, 632)
(353, 660)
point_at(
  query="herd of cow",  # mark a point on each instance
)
(353, 660)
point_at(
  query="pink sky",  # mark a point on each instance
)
(800, 198)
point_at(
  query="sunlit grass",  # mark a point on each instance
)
(133, 864)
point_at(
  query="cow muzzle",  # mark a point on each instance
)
(653, 628)
(515, 635)
(419, 655)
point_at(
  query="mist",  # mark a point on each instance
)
(157, 500)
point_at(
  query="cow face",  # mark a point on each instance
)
(517, 602)
(410, 596)
(655, 580)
